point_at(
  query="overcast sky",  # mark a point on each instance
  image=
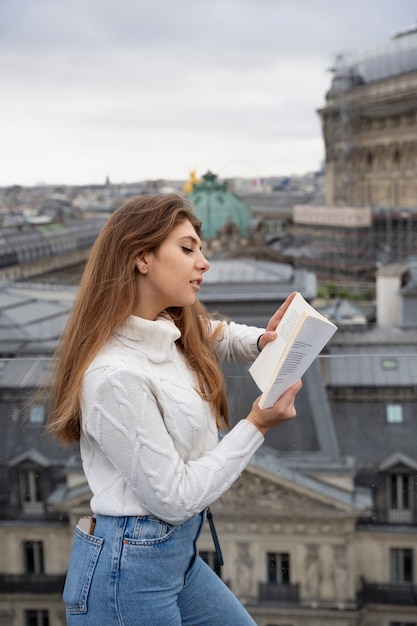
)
(148, 89)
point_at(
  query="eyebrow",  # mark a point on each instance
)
(195, 241)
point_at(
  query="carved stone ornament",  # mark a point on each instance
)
(256, 494)
(7, 617)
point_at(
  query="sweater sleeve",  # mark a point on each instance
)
(236, 342)
(124, 420)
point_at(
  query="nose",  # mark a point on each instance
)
(204, 265)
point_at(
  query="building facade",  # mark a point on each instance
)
(300, 548)
(319, 530)
(369, 126)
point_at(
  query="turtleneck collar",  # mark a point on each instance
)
(154, 337)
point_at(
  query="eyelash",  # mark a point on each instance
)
(187, 250)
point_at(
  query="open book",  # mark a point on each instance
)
(301, 335)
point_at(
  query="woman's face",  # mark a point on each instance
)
(173, 274)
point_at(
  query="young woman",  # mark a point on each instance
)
(138, 384)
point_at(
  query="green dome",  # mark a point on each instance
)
(216, 206)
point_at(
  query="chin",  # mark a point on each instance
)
(189, 302)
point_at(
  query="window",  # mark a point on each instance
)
(389, 363)
(211, 559)
(36, 618)
(30, 486)
(400, 498)
(400, 491)
(33, 557)
(37, 414)
(278, 568)
(401, 563)
(394, 413)
(396, 157)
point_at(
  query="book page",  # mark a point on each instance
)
(311, 338)
(266, 363)
(289, 324)
(262, 368)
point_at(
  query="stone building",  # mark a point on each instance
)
(370, 127)
(34, 250)
(349, 244)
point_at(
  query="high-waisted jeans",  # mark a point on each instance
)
(141, 571)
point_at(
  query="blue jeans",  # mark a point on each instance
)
(141, 571)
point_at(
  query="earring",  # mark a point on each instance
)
(144, 269)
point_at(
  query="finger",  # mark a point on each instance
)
(291, 411)
(288, 397)
(269, 335)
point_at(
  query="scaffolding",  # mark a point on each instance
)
(370, 133)
(351, 253)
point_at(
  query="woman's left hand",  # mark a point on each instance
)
(270, 331)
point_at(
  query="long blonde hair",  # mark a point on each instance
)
(107, 295)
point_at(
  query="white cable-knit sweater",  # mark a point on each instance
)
(149, 443)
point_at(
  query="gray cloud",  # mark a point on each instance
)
(151, 89)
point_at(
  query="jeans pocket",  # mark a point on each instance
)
(84, 555)
(150, 530)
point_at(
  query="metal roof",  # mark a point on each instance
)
(216, 206)
(32, 319)
(364, 432)
(371, 366)
(397, 57)
(33, 316)
(21, 373)
(245, 271)
(230, 284)
(23, 439)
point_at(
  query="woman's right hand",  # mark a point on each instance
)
(281, 411)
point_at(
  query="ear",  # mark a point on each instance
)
(141, 263)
